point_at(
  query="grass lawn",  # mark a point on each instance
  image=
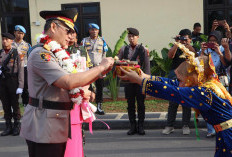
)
(121, 106)
(109, 106)
(151, 105)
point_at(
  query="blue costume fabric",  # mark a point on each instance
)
(214, 109)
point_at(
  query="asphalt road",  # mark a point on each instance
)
(115, 143)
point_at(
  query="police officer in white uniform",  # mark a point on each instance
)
(45, 124)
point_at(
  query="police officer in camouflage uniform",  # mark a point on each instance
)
(96, 48)
(11, 84)
(22, 48)
(135, 52)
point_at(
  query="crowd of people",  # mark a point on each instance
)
(58, 79)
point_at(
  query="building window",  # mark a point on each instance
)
(217, 9)
(87, 13)
(15, 12)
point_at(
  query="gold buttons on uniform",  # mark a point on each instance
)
(192, 89)
(165, 87)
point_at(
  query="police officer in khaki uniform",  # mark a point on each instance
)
(45, 124)
(11, 84)
(22, 48)
(97, 48)
(135, 52)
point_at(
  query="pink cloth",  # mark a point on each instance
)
(74, 146)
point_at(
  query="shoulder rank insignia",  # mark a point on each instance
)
(45, 56)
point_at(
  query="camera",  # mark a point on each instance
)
(209, 45)
(221, 22)
(181, 38)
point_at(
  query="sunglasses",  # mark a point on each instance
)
(68, 30)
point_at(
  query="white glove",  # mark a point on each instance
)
(19, 91)
(0, 72)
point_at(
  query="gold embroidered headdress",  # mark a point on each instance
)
(210, 81)
(198, 64)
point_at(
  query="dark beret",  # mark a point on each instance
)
(8, 35)
(133, 31)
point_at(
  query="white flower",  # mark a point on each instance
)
(54, 45)
(74, 91)
(66, 63)
(77, 100)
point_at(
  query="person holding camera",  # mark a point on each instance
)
(218, 47)
(222, 26)
(11, 84)
(174, 53)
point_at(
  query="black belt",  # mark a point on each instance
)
(51, 104)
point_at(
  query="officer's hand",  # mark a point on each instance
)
(131, 76)
(92, 97)
(19, 91)
(107, 63)
(87, 93)
(0, 72)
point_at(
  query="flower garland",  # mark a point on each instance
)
(76, 94)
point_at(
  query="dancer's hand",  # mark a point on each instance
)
(143, 75)
(131, 76)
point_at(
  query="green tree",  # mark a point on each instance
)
(160, 66)
(113, 83)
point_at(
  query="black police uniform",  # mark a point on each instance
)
(11, 78)
(132, 91)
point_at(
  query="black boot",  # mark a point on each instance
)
(140, 128)
(141, 114)
(99, 109)
(16, 128)
(133, 129)
(8, 129)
